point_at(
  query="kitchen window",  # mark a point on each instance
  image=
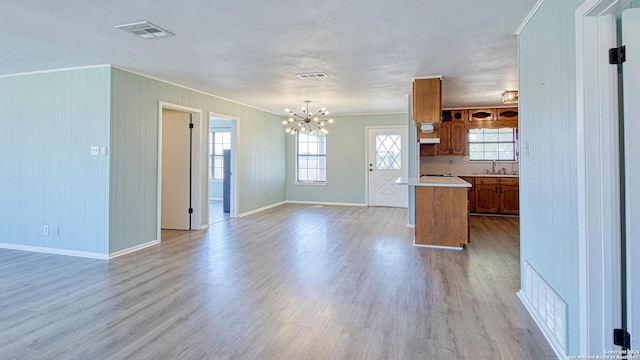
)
(492, 144)
(311, 158)
(218, 141)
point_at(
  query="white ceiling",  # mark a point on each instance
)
(251, 51)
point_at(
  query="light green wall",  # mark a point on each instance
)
(134, 155)
(48, 177)
(346, 171)
(548, 182)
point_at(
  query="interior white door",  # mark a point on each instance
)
(387, 161)
(631, 94)
(175, 170)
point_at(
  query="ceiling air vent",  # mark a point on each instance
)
(145, 30)
(312, 75)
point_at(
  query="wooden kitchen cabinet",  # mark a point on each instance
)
(471, 195)
(495, 195)
(453, 138)
(482, 115)
(507, 114)
(427, 101)
(509, 196)
(487, 195)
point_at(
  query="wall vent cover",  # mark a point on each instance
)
(145, 30)
(312, 75)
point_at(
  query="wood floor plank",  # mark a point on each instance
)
(292, 282)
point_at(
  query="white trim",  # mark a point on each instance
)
(215, 199)
(552, 341)
(255, 211)
(235, 147)
(54, 251)
(427, 77)
(597, 173)
(204, 227)
(191, 89)
(310, 183)
(411, 226)
(455, 248)
(324, 203)
(133, 249)
(198, 147)
(526, 20)
(56, 70)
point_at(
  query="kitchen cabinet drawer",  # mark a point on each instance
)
(487, 181)
(509, 181)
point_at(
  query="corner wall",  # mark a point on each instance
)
(548, 172)
(48, 176)
(134, 144)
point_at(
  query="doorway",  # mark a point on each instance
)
(387, 160)
(608, 299)
(222, 167)
(179, 187)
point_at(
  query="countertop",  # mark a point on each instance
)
(442, 181)
(490, 175)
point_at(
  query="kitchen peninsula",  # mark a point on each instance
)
(441, 211)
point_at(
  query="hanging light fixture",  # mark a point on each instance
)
(306, 121)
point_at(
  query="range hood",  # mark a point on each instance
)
(429, 140)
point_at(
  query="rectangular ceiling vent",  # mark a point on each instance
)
(145, 30)
(312, 75)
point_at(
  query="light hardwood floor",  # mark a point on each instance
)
(293, 282)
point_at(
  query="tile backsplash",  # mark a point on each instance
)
(461, 165)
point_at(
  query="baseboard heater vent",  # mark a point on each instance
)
(546, 306)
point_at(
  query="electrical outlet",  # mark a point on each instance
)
(95, 150)
(45, 230)
(271, 195)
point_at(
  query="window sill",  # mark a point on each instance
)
(310, 183)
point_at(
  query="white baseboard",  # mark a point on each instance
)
(215, 199)
(76, 253)
(325, 203)
(261, 209)
(438, 247)
(54, 251)
(550, 339)
(133, 249)
(410, 225)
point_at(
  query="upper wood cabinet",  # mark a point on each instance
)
(507, 114)
(493, 118)
(427, 103)
(453, 138)
(482, 115)
(455, 115)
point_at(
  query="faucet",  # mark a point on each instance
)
(493, 167)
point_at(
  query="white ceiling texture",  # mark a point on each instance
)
(251, 51)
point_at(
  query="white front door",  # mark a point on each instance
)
(631, 90)
(387, 158)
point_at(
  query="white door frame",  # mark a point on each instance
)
(367, 160)
(598, 168)
(197, 149)
(235, 130)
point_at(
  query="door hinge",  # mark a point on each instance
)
(190, 210)
(190, 125)
(621, 337)
(617, 55)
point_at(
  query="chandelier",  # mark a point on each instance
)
(306, 121)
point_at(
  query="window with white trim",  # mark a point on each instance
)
(218, 141)
(492, 144)
(311, 157)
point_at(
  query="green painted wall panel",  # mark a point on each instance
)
(50, 121)
(261, 154)
(346, 171)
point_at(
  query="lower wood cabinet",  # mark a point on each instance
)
(471, 193)
(496, 195)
